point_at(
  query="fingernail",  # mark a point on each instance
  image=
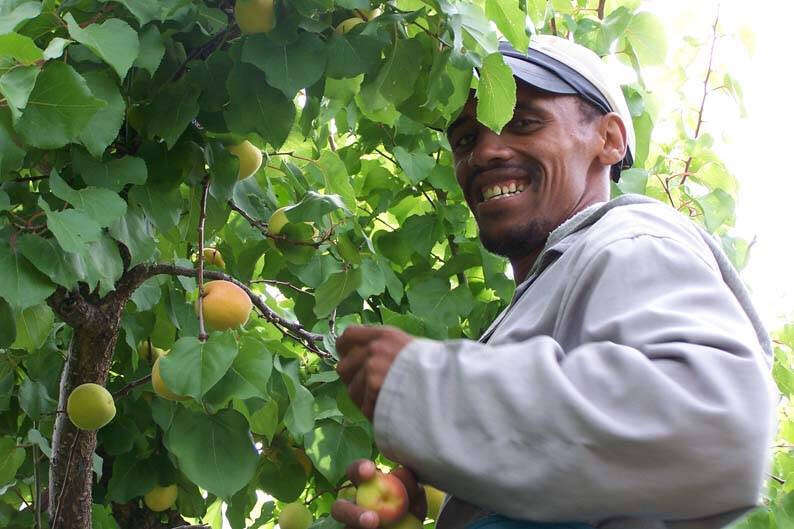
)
(368, 519)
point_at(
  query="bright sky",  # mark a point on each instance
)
(754, 148)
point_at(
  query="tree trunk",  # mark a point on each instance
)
(71, 476)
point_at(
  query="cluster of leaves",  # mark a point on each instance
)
(112, 115)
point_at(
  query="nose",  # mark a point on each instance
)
(489, 148)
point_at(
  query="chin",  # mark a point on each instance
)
(516, 241)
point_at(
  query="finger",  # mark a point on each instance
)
(354, 516)
(358, 389)
(417, 500)
(361, 470)
(357, 335)
(352, 362)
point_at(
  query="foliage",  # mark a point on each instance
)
(114, 115)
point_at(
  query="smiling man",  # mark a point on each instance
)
(627, 384)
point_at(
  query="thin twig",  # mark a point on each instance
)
(129, 387)
(56, 518)
(705, 91)
(202, 335)
(262, 227)
(601, 4)
(779, 480)
(392, 160)
(281, 284)
(36, 483)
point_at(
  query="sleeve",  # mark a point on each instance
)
(656, 404)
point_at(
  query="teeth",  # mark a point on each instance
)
(502, 191)
(512, 187)
(520, 187)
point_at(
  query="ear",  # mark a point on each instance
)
(613, 133)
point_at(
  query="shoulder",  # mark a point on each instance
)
(646, 227)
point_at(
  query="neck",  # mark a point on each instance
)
(522, 265)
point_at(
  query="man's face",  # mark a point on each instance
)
(524, 182)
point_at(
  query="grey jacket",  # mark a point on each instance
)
(627, 385)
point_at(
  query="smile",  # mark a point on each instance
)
(502, 190)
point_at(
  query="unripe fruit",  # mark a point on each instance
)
(435, 498)
(159, 385)
(90, 406)
(225, 305)
(255, 16)
(160, 498)
(249, 155)
(277, 221)
(295, 516)
(348, 24)
(409, 521)
(150, 355)
(386, 495)
(304, 460)
(213, 256)
(347, 493)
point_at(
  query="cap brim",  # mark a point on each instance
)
(538, 77)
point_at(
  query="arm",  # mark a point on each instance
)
(656, 405)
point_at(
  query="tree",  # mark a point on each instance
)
(117, 169)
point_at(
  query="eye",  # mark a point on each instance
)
(519, 123)
(463, 141)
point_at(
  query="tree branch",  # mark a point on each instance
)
(601, 4)
(129, 387)
(56, 517)
(705, 91)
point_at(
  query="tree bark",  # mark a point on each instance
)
(89, 359)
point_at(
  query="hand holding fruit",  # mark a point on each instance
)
(367, 353)
(381, 499)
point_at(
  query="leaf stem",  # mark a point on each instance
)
(123, 392)
(202, 336)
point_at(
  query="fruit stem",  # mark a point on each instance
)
(202, 216)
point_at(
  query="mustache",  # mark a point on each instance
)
(531, 169)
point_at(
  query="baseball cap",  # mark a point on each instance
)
(560, 66)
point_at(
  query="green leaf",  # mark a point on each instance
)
(35, 437)
(72, 228)
(416, 165)
(136, 233)
(264, 421)
(407, 322)
(20, 47)
(16, 85)
(718, 209)
(102, 517)
(398, 74)
(11, 155)
(373, 279)
(280, 474)
(335, 290)
(113, 174)
(193, 367)
(104, 126)
(8, 327)
(313, 206)
(433, 300)
(172, 111)
(215, 452)
(148, 10)
(11, 458)
(496, 93)
(152, 50)
(256, 107)
(34, 400)
(33, 326)
(20, 283)
(299, 417)
(130, 478)
(101, 205)
(161, 203)
(510, 20)
(633, 181)
(58, 109)
(333, 446)
(12, 20)
(335, 177)
(100, 264)
(113, 40)
(647, 36)
(55, 48)
(248, 375)
(288, 67)
(351, 55)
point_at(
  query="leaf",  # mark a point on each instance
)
(215, 452)
(16, 85)
(72, 228)
(101, 264)
(55, 48)
(416, 165)
(646, 34)
(288, 67)
(130, 478)
(13, 19)
(8, 327)
(299, 417)
(161, 203)
(313, 206)
(173, 109)
(103, 127)
(102, 517)
(152, 50)
(113, 174)
(59, 107)
(21, 285)
(280, 474)
(11, 155)
(257, 107)
(496, 93)
(248, 375)
(433, 300)
(510, 20)
(34, 400)
(148, 10)
(351, 55)
(11, 458)
(136, 233)
(633, 181)
(193, 367)
(101, 205)
(398, 74)
(333, 174)
(335, 290)
(264, 421)
(718, 209)
(333, 446)
(113, 40)
(33, 327)
(373, 279)
(20, 47)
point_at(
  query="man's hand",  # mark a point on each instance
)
(355, 517)
(366, 354)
